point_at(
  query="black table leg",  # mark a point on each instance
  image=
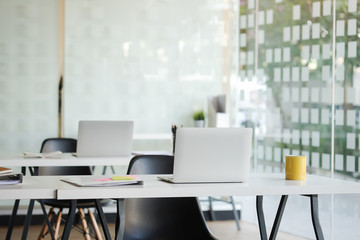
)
(12, 219)
(315, 216)
(104, 170)
(70, 220)
(260, 215)
(102, 220)
(50, 229)
(120, 219)
(278, 217)
(28, 219)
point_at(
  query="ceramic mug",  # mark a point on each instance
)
(295, 167)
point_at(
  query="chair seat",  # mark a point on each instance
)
(83, 203)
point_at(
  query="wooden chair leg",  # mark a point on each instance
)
(57, 224)
(96, 227)
(84, 224)
(45, 226)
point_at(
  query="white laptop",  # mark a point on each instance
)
(211, 155)
(104, 138)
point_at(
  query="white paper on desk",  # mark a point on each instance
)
(100, 181)
(42, 155)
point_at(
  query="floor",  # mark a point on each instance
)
(223, 230)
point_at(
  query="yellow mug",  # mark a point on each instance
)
(295, 168)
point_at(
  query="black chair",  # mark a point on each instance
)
(68, 145)
(159, 218)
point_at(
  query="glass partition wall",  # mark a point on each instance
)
(150, 63)
(295, 79)
(28, 74)
(298, 87)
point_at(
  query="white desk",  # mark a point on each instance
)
(65, 159)
(31, 188)
(258, 185)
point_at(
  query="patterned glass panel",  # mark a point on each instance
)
(28, 74)
(151, 63)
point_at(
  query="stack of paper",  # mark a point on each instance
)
(7, 177)
(42, 155)
(102, 181)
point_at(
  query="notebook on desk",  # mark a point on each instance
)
(211, 155)
(104, 138)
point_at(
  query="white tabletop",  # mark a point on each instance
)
(31, 188)
(259, 184)
(65, 159)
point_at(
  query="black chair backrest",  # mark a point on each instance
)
(161, 218)
(151, 164)
(65, 145)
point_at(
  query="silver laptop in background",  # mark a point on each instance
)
(205, 155)
(104, 138)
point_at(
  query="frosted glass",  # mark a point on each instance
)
(286, 74)
(350, 163)
(296, 12)
(326, 51)
(340, 28)
(304, 115)
(28, 74)
(352, 49)
(350, 140)
(295, 137)
(305, 32)
(352, 7)
(251, 20)
(351, 118)
(286, 34)
(315, 51)
(314, 116)
(316, 9)
(305, 138)
(315, 159)
(295, 33)
(269, 16)
(326, 8)
(352, 27)
(286, 54)
(152, 63)
(261, 17)
(315, 136)
(316, 31)
(339, 162)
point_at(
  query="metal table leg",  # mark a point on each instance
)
(12, 219)
(28, 219)
(102, 219)
(261, 219)
(120, 219)
(70, 220)
(315, 216)
(280, 211)
(278, 217)
(50, 229)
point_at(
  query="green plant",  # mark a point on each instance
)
(199, 115)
